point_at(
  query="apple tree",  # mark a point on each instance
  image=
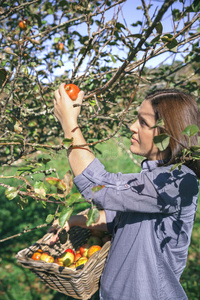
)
(90, 44)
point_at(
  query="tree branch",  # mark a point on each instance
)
(132, 54)
(24, 231)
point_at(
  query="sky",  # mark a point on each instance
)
(128, 15)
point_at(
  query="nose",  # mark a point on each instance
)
(133, 127)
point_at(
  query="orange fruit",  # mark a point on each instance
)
(92, 250)
(72, 91)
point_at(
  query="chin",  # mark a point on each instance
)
(133, 150)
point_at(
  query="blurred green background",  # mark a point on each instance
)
(17, 283)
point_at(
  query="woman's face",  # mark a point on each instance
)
(143, 133)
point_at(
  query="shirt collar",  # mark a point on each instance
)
(149, 165)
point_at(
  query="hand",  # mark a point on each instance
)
(57, 229)
(64, 110)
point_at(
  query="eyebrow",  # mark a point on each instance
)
(145, 115)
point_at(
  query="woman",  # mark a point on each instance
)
(150, 214)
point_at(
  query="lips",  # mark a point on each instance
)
(133, 140)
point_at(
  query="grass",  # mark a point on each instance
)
(17, 283)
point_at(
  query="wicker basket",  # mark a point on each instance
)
(80, 283)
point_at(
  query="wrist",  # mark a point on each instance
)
(70, 130)
(77, 220)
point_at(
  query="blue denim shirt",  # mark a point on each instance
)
(150, 215)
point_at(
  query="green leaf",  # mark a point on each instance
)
(11, 193)
(60, 63)
(191, 130)
(49, 218)
(44, 150)
(92, 102)
(61, 185)
(67, 142)
(195, 148)
(159, 28)
(173, 45)
(52, 180)
(93, 216)
(155, 40)
(159, 123)
(97, 188)
(167, 37)
(196, 5)
(40, 189)
(74, 198)
(3, 76)
(178, 165)
(161, 141)
(56, 40)
(44, 160)
(113, 58)
(136, 35)
(29, 169)
(65, 215)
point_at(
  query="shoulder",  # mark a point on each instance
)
(183, 180)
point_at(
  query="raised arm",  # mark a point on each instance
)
(67, 114)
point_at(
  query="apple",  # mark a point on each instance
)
(92, 250)
(77, 256)
(84, 248)
(45, 256)
(23, 24)
(72, 91)
(71, 251)
(67, 258)
(81, 261)
(58, 261)
(36, 255)
(72, 266)
(60, 46)
(94, 240)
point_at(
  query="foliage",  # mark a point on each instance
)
(104, 57)
(17, 283)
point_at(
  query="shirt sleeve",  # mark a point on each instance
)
(110, 219)
(151, 192)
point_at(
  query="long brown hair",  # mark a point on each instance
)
(177, 110)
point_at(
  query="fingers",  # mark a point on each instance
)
(54, 237)
(79, 100)
(57, 95)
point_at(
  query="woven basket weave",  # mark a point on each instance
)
(80, 283)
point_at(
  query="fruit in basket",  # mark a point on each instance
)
(45, 256)
(92, 250)
(83, 249)
(71, 251)
(66, 258)
(94, 240)
(72, 91)
(77, 256)
(58, 261)
(81, 261)
(72, 266)
(36, 255)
